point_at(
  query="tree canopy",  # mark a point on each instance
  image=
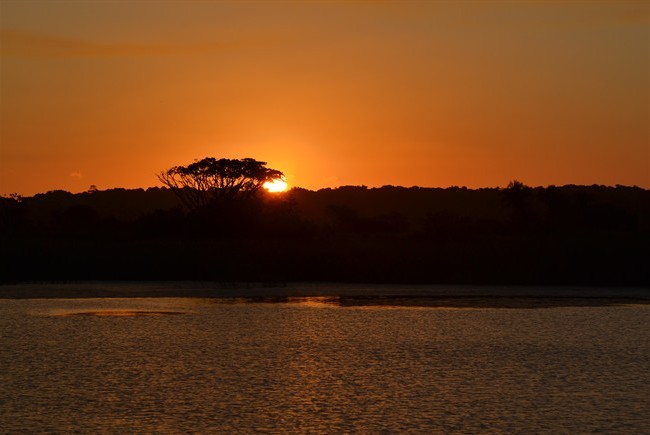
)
(210, 180)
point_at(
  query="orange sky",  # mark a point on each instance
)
(331, 93)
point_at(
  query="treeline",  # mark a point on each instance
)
(570, 235)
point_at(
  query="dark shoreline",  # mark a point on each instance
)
(340, 294)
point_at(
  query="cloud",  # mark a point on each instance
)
(28, 44)
(332, 180)
(76, 174)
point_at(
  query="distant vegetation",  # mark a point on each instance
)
(570, 235)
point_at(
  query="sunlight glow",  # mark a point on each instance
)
(276, 185)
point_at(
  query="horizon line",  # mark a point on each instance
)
(360, 186)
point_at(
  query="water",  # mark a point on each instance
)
(306, 365)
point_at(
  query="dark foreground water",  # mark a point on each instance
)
(310, 365)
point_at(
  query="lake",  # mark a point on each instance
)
(316, 365)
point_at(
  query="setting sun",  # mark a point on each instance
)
(276, 185)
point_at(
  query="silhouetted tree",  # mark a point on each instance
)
(209, 180)
(517, 198)
(516, 194)
(12, 214)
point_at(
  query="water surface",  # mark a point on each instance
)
(172, 365)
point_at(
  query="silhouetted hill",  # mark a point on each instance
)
(518, 235)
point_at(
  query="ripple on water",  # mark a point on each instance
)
(118, 313)
(80, 366)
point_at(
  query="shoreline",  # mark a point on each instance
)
(341, 294)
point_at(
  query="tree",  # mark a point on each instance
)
(210, 180)
(516, 194)
(517, 197)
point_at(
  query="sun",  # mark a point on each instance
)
(276, 185)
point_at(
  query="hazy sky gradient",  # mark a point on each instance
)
(332, 93)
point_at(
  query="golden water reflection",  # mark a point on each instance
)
(241, 366)
(120, 313)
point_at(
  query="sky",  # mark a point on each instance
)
(433, 94)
